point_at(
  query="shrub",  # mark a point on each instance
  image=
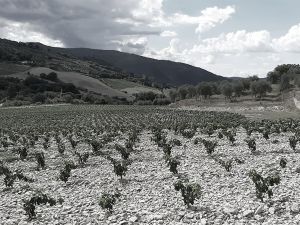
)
(61, 147)
(293, 142)
(96, 146)
(263, 185)
(231, 138)
(39, 98)
(283, 162)
(251, 144)
(23, 152)
(176, 142)
(65, 173)
(197, 140)
(107, 201)
(159, 136)
(173, 163)
(120, 168)
(220, 135)
(266, 134)
(40, 158)
(82, 158)
(226, 164)
(209, 146)
(10, 177)
(73, 142)
(188, 133)
(125, 153)
(167, 149)
(37, 199)
(190, 192)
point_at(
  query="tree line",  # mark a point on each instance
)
(229, 89)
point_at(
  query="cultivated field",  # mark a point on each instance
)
(146, 165)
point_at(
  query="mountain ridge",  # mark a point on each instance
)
(109, 63)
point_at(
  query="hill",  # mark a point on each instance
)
(161, 71)
(104, 64)
(79, 80)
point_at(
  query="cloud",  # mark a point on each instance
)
(95, 23)
(208, 19)
(236, 42)
(290, 42)
(168, 33)
(24, 32)
(239, 53)
(91, 23)
(132, 45)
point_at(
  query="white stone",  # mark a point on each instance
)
(295, 208)
(230, 210)
(272, 210)
(259, 210)
(203, 221)
(133, 219)
(247, 213)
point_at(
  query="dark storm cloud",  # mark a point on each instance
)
(77, 23)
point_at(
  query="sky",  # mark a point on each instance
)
(226, 37)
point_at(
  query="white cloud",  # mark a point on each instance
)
(212, 16)
(208, 19)
(168, 33)
(239, 53)
(236, 42)
(25, 33)
(289, 42)
(132, 45)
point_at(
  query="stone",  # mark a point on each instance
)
(230, 210)
(203, 221)
(154, 217)
(247, 213)
(133, 219)
(123, 223)
(259, 210)
(295, 208)
(272, 210)
(189, 216)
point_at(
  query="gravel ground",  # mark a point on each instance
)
(147, 192)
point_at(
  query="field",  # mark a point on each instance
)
(146, 165)
(79, 80)
(128, 87)
(10, 68)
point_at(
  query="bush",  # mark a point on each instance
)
(65, 173)
(125, 153)
(39, 98)
(10, 176)
(173, 163)
(283, 162)
(189, 192)
(37, 199)
(263, 185)
(141, 102)
(120, 168)
(107, 201)
(161, 101)
(251, 144)
(96, 146)
(226, 164)
(82, 158)
(293, 142)
(40, 158)
(23, 152)
(209, 146)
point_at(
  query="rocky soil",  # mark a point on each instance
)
(147, 192)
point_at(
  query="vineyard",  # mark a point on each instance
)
(146, 165)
